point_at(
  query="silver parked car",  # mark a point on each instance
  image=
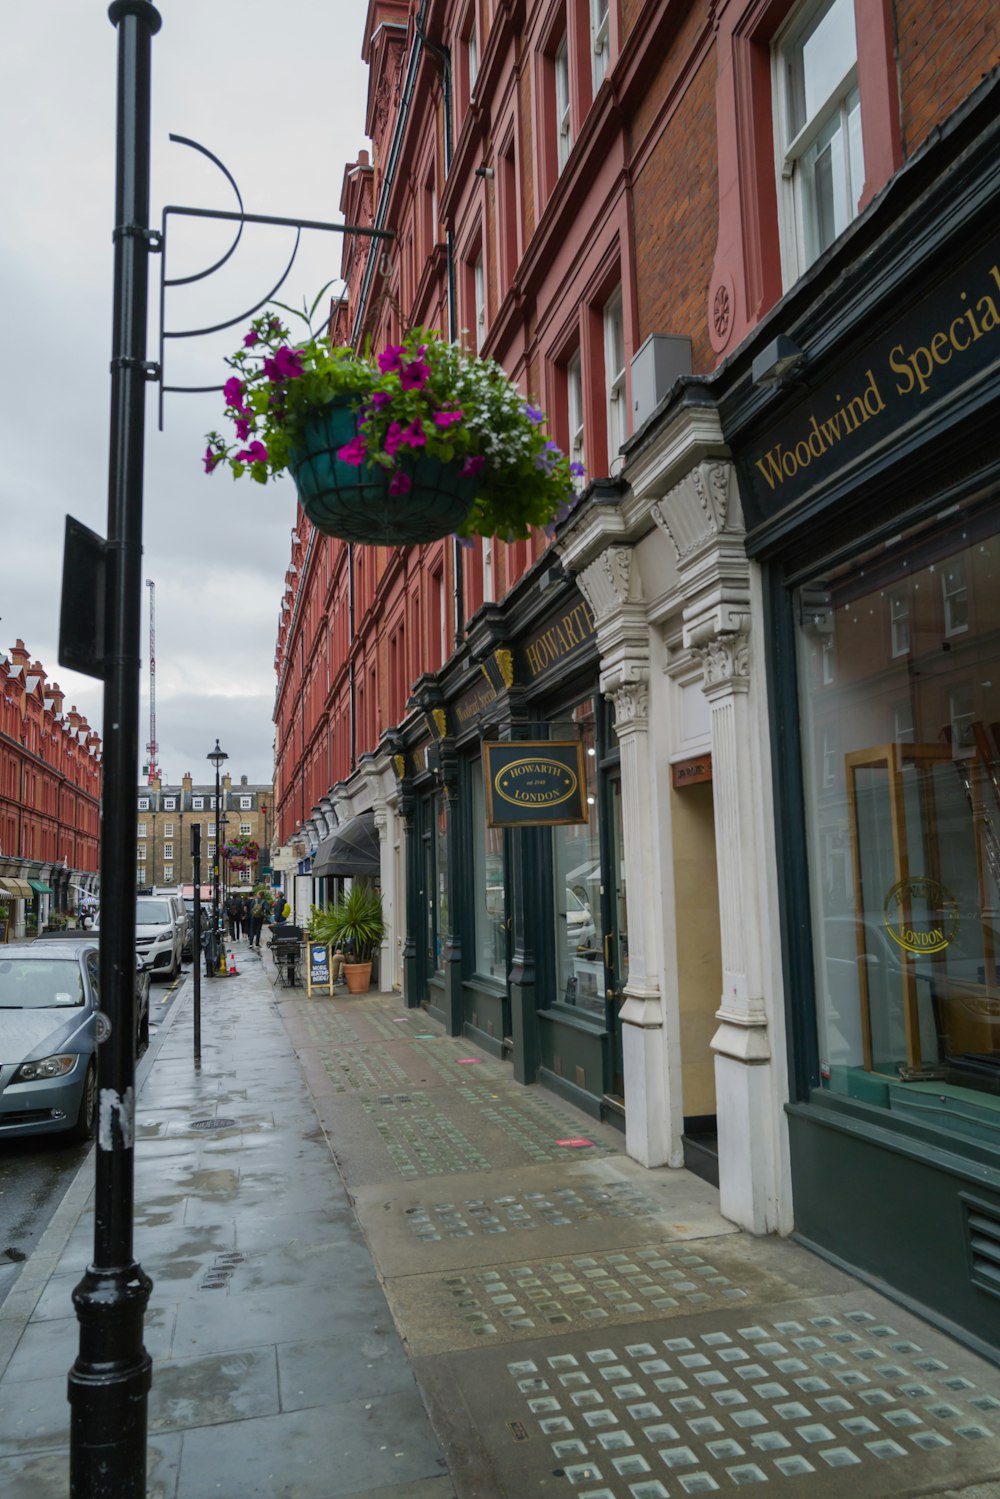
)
(49, 993)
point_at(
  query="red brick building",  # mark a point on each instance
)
(50, 793)
(723, 246)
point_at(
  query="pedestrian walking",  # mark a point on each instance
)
(282, 910)
(232, 913)
(258, 912)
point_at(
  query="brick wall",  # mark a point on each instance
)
(676, 219)
(944, 52)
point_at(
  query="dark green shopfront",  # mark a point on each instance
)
(870, 479)
(517, 937)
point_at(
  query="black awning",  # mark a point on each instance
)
(351, 849)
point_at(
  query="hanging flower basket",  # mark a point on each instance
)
(359, 502)
(242, 847)
(424, 441)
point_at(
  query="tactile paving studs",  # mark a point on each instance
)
(709, 1412)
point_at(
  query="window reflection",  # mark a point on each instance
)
(491, 909)
(902, 775)
(576, 870)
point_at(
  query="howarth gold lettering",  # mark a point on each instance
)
(574, 629)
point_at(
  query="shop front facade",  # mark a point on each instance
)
(869, 477)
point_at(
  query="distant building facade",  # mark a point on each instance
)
(166, 813)
(50, 796)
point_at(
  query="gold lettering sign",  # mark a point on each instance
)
(908, 369)
(535, 783)
(920, 915)
(559, 639)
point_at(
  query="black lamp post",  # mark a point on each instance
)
(216, 756)
(110, 1379)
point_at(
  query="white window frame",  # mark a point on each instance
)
(144, 804)
(211, 850)
(574, 416)
(140, 852)
(168, 850)
(140, 830)
(479, 292)
(198, 803)
(827, 659)
(564, 122)
(949, 595)
(168, 830)
(614, 322)
(798, 238)
(899, 621)
(168, 874)
(600, 39)
(489, 575)
(472, 49)
(170, 804)
(246, 827)
(140, 874)
(246, 803)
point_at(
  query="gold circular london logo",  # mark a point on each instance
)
(921, 915)
(535, 783)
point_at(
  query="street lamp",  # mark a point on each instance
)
(216, 756)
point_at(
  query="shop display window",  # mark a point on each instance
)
(490, 894)
(901, 762)
(576, 874)
(441, 851)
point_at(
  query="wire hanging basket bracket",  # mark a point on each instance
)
(239, 217)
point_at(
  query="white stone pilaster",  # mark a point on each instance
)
(701, 516)
(653, 1103)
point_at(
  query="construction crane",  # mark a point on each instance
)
(153, 767)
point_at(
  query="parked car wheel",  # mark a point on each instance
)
(83, 1129)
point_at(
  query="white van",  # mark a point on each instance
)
(160, 923)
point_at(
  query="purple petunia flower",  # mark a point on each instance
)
(393, 438)
(354, 452)
(251, 338)
(472, 466)
(400, 483)
(244, 427)
(286, 364)
(413, 376)
(534, 414)
(577, 469)
(211, 459)
(447, 418)
(413, 435)
(553, 447)
(391, 359)
(232, 391)
(255, 453)
(379, 399)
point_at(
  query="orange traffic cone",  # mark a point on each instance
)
(232, 963)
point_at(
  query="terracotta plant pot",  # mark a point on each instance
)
(358, 977)
(353, 501)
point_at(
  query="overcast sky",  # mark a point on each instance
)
(278, 93)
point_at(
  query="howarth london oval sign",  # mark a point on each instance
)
(534, 783)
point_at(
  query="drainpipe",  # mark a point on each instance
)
(444, 59)
(350, 638)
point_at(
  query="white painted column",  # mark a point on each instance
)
(701, 514)
(650, 1045)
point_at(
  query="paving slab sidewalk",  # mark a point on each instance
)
(383, 1268)
(277, 1369)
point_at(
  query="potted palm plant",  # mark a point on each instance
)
(424, 441)
(356, 925)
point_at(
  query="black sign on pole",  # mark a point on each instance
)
(83, 611)
(196, 938)
(534, 783)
